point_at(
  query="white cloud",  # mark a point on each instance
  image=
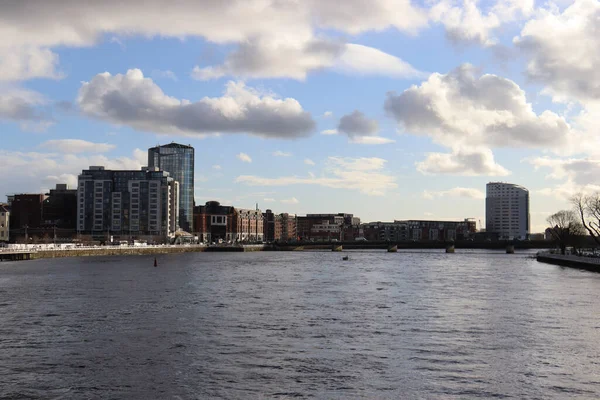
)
(138, 102)
(292, 200)
(366, 175)
(27, 62)
(329, 132)
(268, 200)
(463, 109)
(564, 50)
(363, 60)
(24, 106)
(280, 153)
(36, 171)
(327, 114)
(465, 162)
(118, 41)
(77, 146)
(357, 124)
(468, 23)
(469, 193)
(370, 140)
(244, 157)
(273, 57)
(360, 129)
(72, 23)
(308, 161)
(216, 166)
(577, 175)
(166, 74)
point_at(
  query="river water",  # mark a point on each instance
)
(410, 325)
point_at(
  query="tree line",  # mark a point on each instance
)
(569, 227)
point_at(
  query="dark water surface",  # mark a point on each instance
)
(419, 325)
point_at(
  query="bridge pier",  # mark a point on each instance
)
(392, 249)
(337, 247)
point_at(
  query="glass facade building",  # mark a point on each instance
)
(178, 161)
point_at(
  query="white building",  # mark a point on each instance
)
(507, 210)
(4, 223)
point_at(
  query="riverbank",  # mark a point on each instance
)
(35, 254)
(586, 263)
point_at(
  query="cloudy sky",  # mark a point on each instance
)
(388, 109)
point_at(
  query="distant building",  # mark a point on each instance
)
(507, 210)
(127, 205)
(215, 222)
(4, 223)
(279, 227)
(178, 161)
(271, 226)
(25, 216)
(396, 231)
(59, 209)
(419, 230)
(323, 226)
(288, 227)
(249, 225)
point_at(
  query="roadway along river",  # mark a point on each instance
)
(410, 325)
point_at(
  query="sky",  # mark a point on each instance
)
(387, 109)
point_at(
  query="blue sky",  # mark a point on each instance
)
(388, 109)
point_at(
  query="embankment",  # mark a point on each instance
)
(586, 263)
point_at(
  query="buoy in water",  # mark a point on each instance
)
(155, 262)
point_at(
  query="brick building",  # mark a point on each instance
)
(279, 227)
(214, 223)
(26, 217)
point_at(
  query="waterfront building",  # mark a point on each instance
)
(249, 225)
(59, 209)
(325, 225)
(288, 227)
(178, 161)
(423, 230)
(217, 223)
(420, 230)
(214, 222)
(127, 205)
(4, 223)
(279, 227)
(25, 216)
(507, 210)
(386, 231)
(271, 226)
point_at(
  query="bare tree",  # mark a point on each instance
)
(588, 208)
(565, 229)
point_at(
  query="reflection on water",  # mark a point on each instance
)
(282, 325)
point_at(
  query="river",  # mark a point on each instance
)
(410, 325)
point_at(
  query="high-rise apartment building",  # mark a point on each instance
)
(507, 210)
(178, 161)
(4, 223)
(127, 204)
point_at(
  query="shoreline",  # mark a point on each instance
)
(569, 261)
(35, 254)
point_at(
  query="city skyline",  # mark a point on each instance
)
(399, 110)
